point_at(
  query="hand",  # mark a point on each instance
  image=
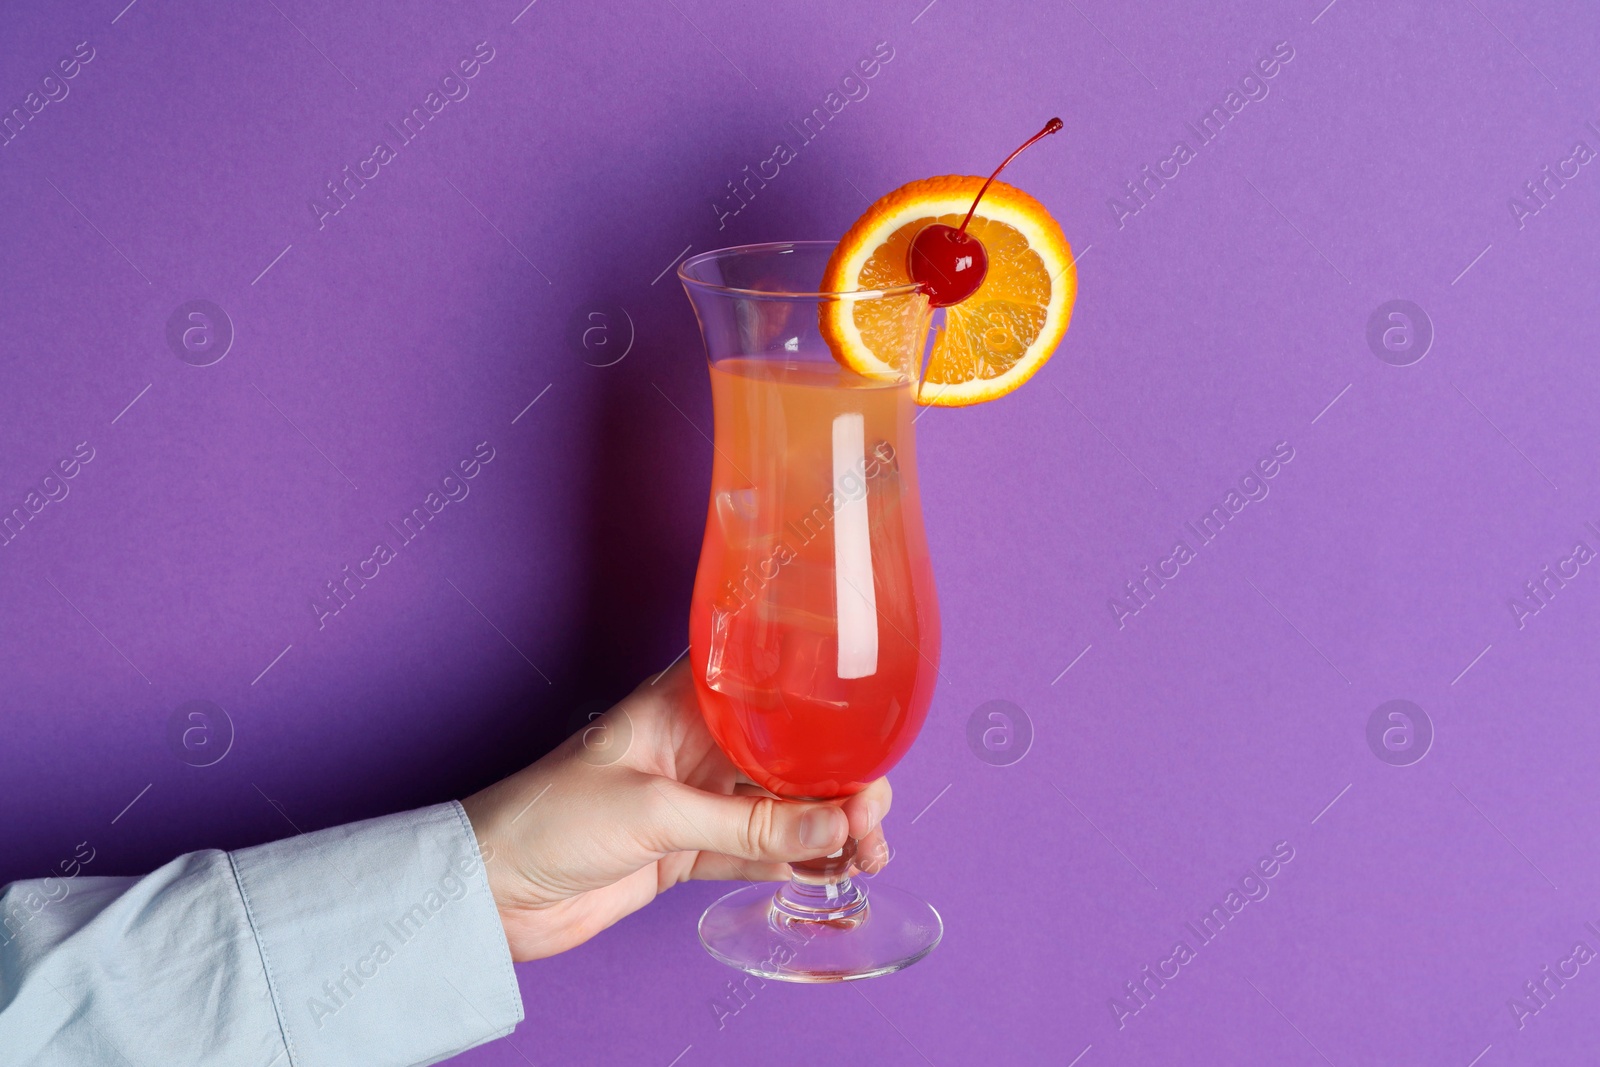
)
(592, 832)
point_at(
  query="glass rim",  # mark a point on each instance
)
(777, 247)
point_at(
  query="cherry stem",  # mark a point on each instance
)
(1050, 127)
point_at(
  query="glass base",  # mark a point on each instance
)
(827, 932)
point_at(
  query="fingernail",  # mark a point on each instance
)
(819, 826)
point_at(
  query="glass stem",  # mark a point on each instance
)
(821, 891)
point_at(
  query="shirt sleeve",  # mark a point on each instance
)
(375, 943)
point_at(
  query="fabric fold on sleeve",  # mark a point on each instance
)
(375, 943)
(380, 940)
(159, 969)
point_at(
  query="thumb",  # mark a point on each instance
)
(681, 818)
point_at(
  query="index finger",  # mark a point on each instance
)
(867, 808)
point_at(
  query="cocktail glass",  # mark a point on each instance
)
(814, 630)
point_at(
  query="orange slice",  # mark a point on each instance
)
(994, 340)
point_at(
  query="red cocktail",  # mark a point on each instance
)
(814, 632)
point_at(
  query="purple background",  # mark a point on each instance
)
(374, 352)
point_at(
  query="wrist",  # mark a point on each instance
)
(479, 818)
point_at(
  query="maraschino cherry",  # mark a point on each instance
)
(949, 263)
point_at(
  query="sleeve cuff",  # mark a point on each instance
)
(380, 940)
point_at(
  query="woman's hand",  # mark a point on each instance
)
(636, 802)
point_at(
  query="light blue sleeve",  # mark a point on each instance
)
(376, 943)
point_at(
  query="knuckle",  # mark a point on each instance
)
(760, 831)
